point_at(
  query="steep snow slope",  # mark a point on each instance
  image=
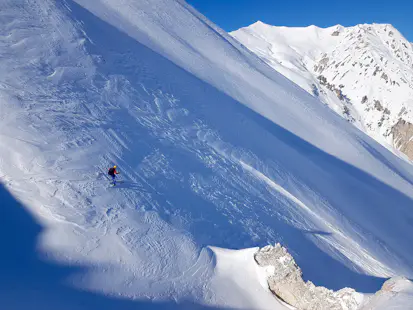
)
(214, 148)
(364, 73)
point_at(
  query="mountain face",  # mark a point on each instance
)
(364, 73)
(216, 151)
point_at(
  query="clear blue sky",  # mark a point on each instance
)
(233, 14)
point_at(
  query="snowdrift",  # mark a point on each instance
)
(214, 147)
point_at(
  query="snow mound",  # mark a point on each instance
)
(285, 281)
(396, 293)
(239, 282)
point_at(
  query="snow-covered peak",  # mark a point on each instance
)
(300, 37)
(368, 67)
(325, 39)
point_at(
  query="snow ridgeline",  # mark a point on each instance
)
(285, 280)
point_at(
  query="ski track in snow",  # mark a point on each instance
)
(78, 103)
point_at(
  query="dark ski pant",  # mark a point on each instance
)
(113, 179)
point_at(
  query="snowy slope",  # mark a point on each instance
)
(214, 147)
(396, 293)
(364, 73)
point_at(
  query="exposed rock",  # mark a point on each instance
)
(287, 283)
(346, 111)
(378, 105)
(322, 64)
(376, 71)
(339, 93)
(315, 90)
(332, 87)
(322, 79)
(402, 137)
(402, 111)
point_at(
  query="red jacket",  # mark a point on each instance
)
(112, 171)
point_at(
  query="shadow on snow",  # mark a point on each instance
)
(28, 282)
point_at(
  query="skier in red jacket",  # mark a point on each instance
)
(112, 172)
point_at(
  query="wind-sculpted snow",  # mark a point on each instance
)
(213, 146)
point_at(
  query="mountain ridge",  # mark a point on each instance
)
(367, 67)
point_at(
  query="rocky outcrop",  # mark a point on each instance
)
(402, 137)
(286, 283)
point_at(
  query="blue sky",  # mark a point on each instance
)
(233, 14)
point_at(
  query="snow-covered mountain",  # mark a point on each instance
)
(364, 73)
(219, 156)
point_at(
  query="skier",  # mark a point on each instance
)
(112, 172)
